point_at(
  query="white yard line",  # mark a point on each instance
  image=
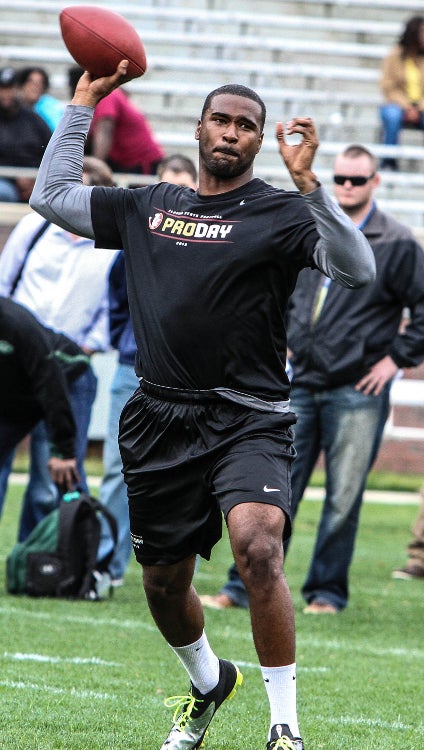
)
(43, 658)
(96, 622)
(365, 721)
(362, 647)
(90, 694)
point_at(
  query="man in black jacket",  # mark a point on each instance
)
(35, 365)
(24, 136)
(345, 348)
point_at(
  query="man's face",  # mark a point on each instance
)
(184, 179)
(351, 197)
(8, 97)
(230, 135)
(33, 88)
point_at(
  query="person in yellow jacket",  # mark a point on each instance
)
(402, 85)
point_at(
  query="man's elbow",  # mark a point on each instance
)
(362, 277)
(37, 203)
(34, 201)
(366, 276)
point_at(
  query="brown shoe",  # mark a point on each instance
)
(408, 572)
(219, 601)
(320, 607)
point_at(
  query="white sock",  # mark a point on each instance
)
(200, 662)
(280, 684)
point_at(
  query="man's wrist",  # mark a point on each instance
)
(313, 184)
(308, 185)
(84, 100)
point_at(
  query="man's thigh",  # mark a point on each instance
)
(256, 470)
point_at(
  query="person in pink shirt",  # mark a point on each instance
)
(121, 136)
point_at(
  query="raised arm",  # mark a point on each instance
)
(343, 253)
(59, 194)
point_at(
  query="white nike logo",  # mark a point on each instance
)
(242, 202)
(270, 489)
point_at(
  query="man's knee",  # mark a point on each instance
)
(163, 582)
(260, 560)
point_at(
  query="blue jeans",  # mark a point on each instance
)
(113, 490)
(345, 424)
(348, 427)
(41, 494)
(8, 191)
(5, 469)
(392, 120)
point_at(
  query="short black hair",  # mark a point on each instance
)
(177, 163)
(25, 73)
(236, 89)
(357, 149)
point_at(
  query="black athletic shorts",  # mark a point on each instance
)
(187, 461)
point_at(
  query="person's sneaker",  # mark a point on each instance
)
(194, 712)
(281, 737)
(408, 573)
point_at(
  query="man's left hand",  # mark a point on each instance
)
(380, 374)
(298, 159)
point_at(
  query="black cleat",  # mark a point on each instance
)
(282, 739)
(194, 712)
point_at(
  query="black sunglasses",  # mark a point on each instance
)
(356, 181)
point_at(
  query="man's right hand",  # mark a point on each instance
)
(89, 90)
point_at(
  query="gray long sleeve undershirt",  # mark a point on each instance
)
(342, 252)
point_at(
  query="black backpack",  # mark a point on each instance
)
(59, 557)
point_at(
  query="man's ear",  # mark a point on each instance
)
(197, 132)
(261, 139)
(376, 180)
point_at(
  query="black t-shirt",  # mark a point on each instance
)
(209, 280)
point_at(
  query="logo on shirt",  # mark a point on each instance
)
(155, 221)
(190, 228)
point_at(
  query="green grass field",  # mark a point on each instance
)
(93, 676)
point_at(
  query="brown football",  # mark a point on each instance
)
(99, 39)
